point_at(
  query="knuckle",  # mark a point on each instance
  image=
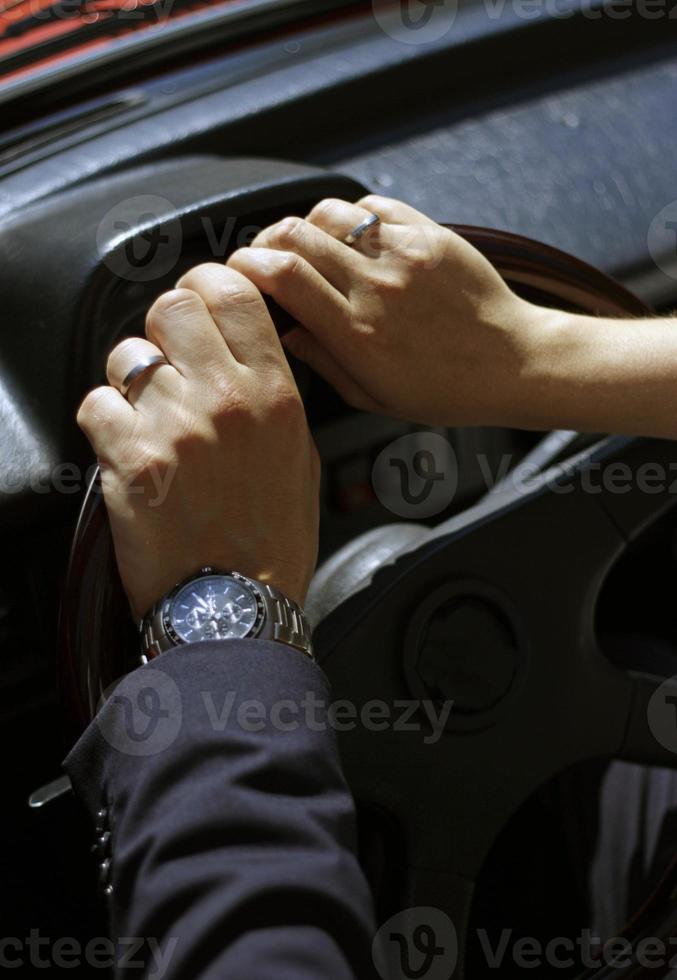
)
(424, 245)
(285, 402)
(226, 298)
(172, 304)
(415, 259)
(181, 420)
(288, 231)
(324, 209)
(389, 285)
(234, 411)
(229, 294)
(89, 406)
(195, 275)
(119, 353)
(372, 202)
(146, 458)
(153, 458)
(227, 406)
(222, 286)
(241, 254)
(232, 419)
(372, 339)
(288, 265)
(187, 444)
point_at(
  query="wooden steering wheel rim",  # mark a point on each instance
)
(94, 605)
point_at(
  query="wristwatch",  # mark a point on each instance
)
(214, 605)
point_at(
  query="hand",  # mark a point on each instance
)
(210, 461)
(411, 321)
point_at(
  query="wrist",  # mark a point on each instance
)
(550, 346)
(519, 340)
(293, 582)
(214, 604)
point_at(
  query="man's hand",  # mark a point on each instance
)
(410, 321)
(209, 461)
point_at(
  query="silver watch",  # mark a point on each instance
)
(213, 605)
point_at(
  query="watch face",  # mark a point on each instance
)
(215, 607)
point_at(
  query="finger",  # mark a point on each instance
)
(106, 418)
(158, 380)
(420, 239)
(339, 218)
(306, 348)
(238, 309)
(300, 290)
(184, 330)
(392, 211)
(338, 263)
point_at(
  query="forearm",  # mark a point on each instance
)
(598, 375)
(233, 837)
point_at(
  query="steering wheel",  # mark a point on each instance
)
(493, 610)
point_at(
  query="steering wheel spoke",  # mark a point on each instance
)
(495, 612)
(492, 612)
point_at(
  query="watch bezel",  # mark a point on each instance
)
(209, 572)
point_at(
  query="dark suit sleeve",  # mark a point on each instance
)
(232, 832)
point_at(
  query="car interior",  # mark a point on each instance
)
(559, 129)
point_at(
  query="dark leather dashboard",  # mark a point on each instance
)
(561, 130)
(564, 130)
(71, 286)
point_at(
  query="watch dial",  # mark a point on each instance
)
(216, 607)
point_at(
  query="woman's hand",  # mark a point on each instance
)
(411, 321)
(210, 461)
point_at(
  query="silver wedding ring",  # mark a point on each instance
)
(139, 369)
(356, 233)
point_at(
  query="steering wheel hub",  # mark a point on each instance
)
(463, 648)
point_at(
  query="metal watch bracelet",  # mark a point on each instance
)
(283, 620)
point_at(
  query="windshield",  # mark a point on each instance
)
(46, 39)
(36, 33)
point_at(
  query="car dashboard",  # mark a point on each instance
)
(562, 129)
